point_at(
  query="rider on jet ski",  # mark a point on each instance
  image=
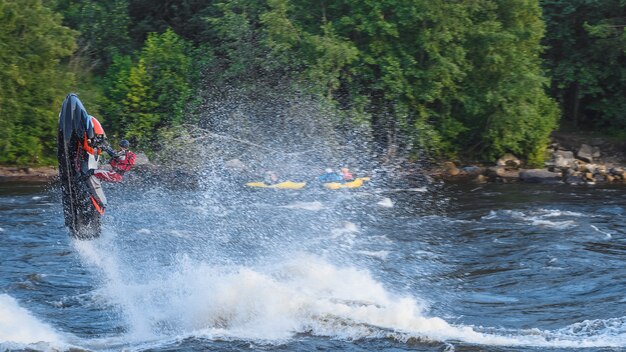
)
(121, 162)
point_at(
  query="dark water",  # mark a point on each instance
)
(436, 268)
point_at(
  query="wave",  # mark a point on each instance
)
(304, 295)
(539, 217)
(19, 329)
(600, 333)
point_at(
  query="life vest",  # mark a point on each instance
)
(93, 145)
(124, 162)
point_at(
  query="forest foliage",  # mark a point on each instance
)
(463, 79)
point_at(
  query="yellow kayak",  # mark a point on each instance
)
(281, 185)
(352, 184)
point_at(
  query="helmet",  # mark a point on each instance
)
(124, 143)
(328, 170)
(97, 127)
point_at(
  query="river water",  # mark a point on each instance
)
(428, 268)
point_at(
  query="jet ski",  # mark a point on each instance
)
(80, 142)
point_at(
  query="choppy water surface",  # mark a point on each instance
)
(435, 268)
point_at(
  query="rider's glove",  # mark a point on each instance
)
(111, 152)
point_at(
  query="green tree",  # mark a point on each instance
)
(410, 65)
(32, 43)
(438, 76)
(504, 105)
(386, 62)
(586, 56)
(104, 29)
(323, 56)
(140, 117)
(187, 18)
(152, 92)
(116, 85)
(237, 38)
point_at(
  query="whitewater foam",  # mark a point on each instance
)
(271, 303)
(304, 294)
(117, 283)
(607, 234)
(19, 327)
(539, 218)
(386, 203)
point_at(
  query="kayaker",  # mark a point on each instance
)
(122, 161)
(270, 178)
(346, 174)
(330, 176)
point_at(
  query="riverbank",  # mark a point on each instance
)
(572, 158)
(28, 174)
(47, 174)
(575, 159)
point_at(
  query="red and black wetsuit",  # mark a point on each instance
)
(121, 163)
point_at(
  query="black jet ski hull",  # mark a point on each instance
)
(83, 199)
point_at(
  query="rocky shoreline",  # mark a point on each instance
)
(591, 163)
